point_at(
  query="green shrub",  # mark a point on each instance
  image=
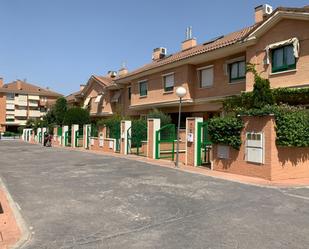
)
(76, 115)
(59, 110)
(292, 123)
(94, 130)
(112, 125)
(292, 127)
(138, 132)
(226, 131)
(292, 96)
(10, 134)
(165, 118)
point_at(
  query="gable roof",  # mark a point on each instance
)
(27, 88)
(221, 42)
(276, 16)
(103, 81)
(73, 96)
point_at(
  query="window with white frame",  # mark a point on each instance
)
(206, 77)
(168, 81)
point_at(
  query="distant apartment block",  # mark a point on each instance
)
(20, 101)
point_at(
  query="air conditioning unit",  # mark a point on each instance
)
(112, 74)
(267, 9)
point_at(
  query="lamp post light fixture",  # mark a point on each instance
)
(180, 92)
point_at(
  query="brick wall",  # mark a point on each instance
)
(279, 162)
(237, 162)
(288, 163)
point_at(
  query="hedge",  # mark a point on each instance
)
(226, 131)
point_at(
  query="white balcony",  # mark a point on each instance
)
(33, 103)
(11, 122)
(21, 122)
(10, 101)
(21, 102)
(34, 97)
(34, 114)
(10, 112)
(10, 106)
(21, 113)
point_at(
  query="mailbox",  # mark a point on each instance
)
(223, 152)
(190, 137)
(255, 147)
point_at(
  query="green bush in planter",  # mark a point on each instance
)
(226, 131)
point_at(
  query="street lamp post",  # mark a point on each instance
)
(180, 92)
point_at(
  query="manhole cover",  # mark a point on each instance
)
(1, 209)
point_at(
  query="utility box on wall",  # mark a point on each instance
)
(223, 152)
(255, 147)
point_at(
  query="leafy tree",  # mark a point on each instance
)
(30, 123)
(60, 110)
(50, 116)
(76, 115)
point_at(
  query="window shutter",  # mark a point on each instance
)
(169, 80)
(207, 77)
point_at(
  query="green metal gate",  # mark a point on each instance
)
(66, 138)
(69, 136)
(59, 134)
(76, 138)
(203, 144)
(79, 135)
(165, 142)
(136, 135)
(88, 134)
(40, 136)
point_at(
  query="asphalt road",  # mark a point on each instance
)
(80, 200)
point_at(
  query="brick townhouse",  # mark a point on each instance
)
(277, 42)
(20, 101)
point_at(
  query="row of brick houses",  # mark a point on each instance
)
(21, 101)
(277, 43)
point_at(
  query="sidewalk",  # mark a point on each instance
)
(302, 182)
(9, 230)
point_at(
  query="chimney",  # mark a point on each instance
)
(81, 87)
(1, 82)
(122, 71)
(262, 12)
(18, 84)
(189, 42)
(158, 53)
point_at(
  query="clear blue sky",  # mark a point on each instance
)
(60, 43)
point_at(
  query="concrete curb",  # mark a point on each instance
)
(25, 233)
